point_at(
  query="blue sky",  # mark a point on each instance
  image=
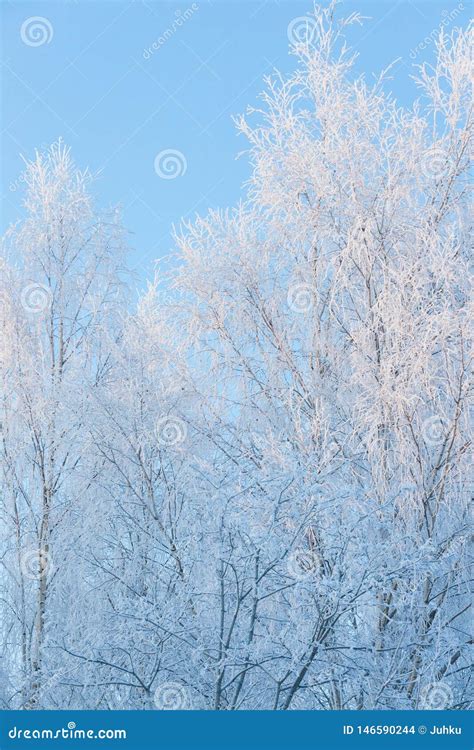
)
(93, 83)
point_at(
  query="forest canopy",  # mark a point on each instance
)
(252, 489)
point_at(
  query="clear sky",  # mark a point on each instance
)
(84, 73)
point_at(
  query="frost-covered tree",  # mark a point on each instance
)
(335, 308)
(60, 289)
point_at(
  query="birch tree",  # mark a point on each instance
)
(336, 304)
(57, 298)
